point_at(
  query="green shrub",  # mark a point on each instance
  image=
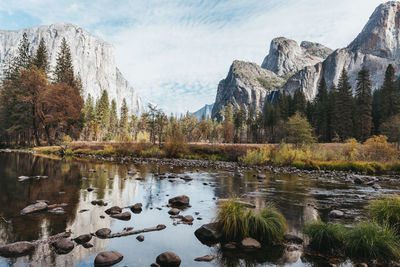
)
(370, 241)
(385, 210)
(232, 220)
(325, 237)
(268, 227)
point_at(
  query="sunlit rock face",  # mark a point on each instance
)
(377, 46)
(93, 59)
(246, 84)
(288, 57)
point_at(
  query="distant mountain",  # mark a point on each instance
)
(93, 60)
(249, 84)
(377, 46)
(290, 67)
(206, 111)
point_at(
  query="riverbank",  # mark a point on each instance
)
(374, 157)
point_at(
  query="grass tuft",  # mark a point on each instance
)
(385, 210)
(371, 241)
(325, 237)
(268, 227)
(232, 220)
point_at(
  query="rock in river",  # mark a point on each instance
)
(63, 246)
(82, 239)
(113, 210)
(16, 249)
(179, 202)
(206, 258)
(125, 216)
(137, 208)
(174, 211)
(108, 258)
(40, 206)
(168, 259)
(250, 243)
(103, 232)
(208, 233)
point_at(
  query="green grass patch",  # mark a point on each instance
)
(371, 241)
(385, 210)
(268, 227)
(232, 220)
(325, 237)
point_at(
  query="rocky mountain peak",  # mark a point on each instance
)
(380, 36)
(246, 84)
(286, 56)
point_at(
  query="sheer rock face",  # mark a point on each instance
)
(93, 60)
(246, 84)
(287, 56)
(377, 46)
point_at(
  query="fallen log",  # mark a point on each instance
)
(135, 232)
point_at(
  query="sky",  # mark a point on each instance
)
(175, 52)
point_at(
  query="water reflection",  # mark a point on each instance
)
(300, 199)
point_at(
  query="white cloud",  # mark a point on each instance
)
(175, 52)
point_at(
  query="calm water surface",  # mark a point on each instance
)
(300, 199)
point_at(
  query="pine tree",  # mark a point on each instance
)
(227, 124)
(64, 71)
(321, 112)
(103, 111)
(41, 58)
(298, 103)
(333, 119)
(24, 58)
(113, 118)
(390, 94)
(377, 103)
(123, 122)
(344, 107)
(363, 111)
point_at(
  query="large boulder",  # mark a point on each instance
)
(39, 206)
(103, 232)
(63, 246)
(16, 249)
(208, 233)
(137, 208)
(168, 259)
(82, 239)
(179, 202)
(107, 258)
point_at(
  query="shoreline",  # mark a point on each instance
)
(236, 168)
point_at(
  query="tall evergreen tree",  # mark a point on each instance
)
(298, 103)
(123, 122)
(390, 94)
(24, 58)
(64, 71)
(344, 107)
(321, 112)
(113, 117)
(363, 108)
(41, 58)
(103, 111)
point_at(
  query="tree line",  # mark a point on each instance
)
(334, 115)
(39, 105)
